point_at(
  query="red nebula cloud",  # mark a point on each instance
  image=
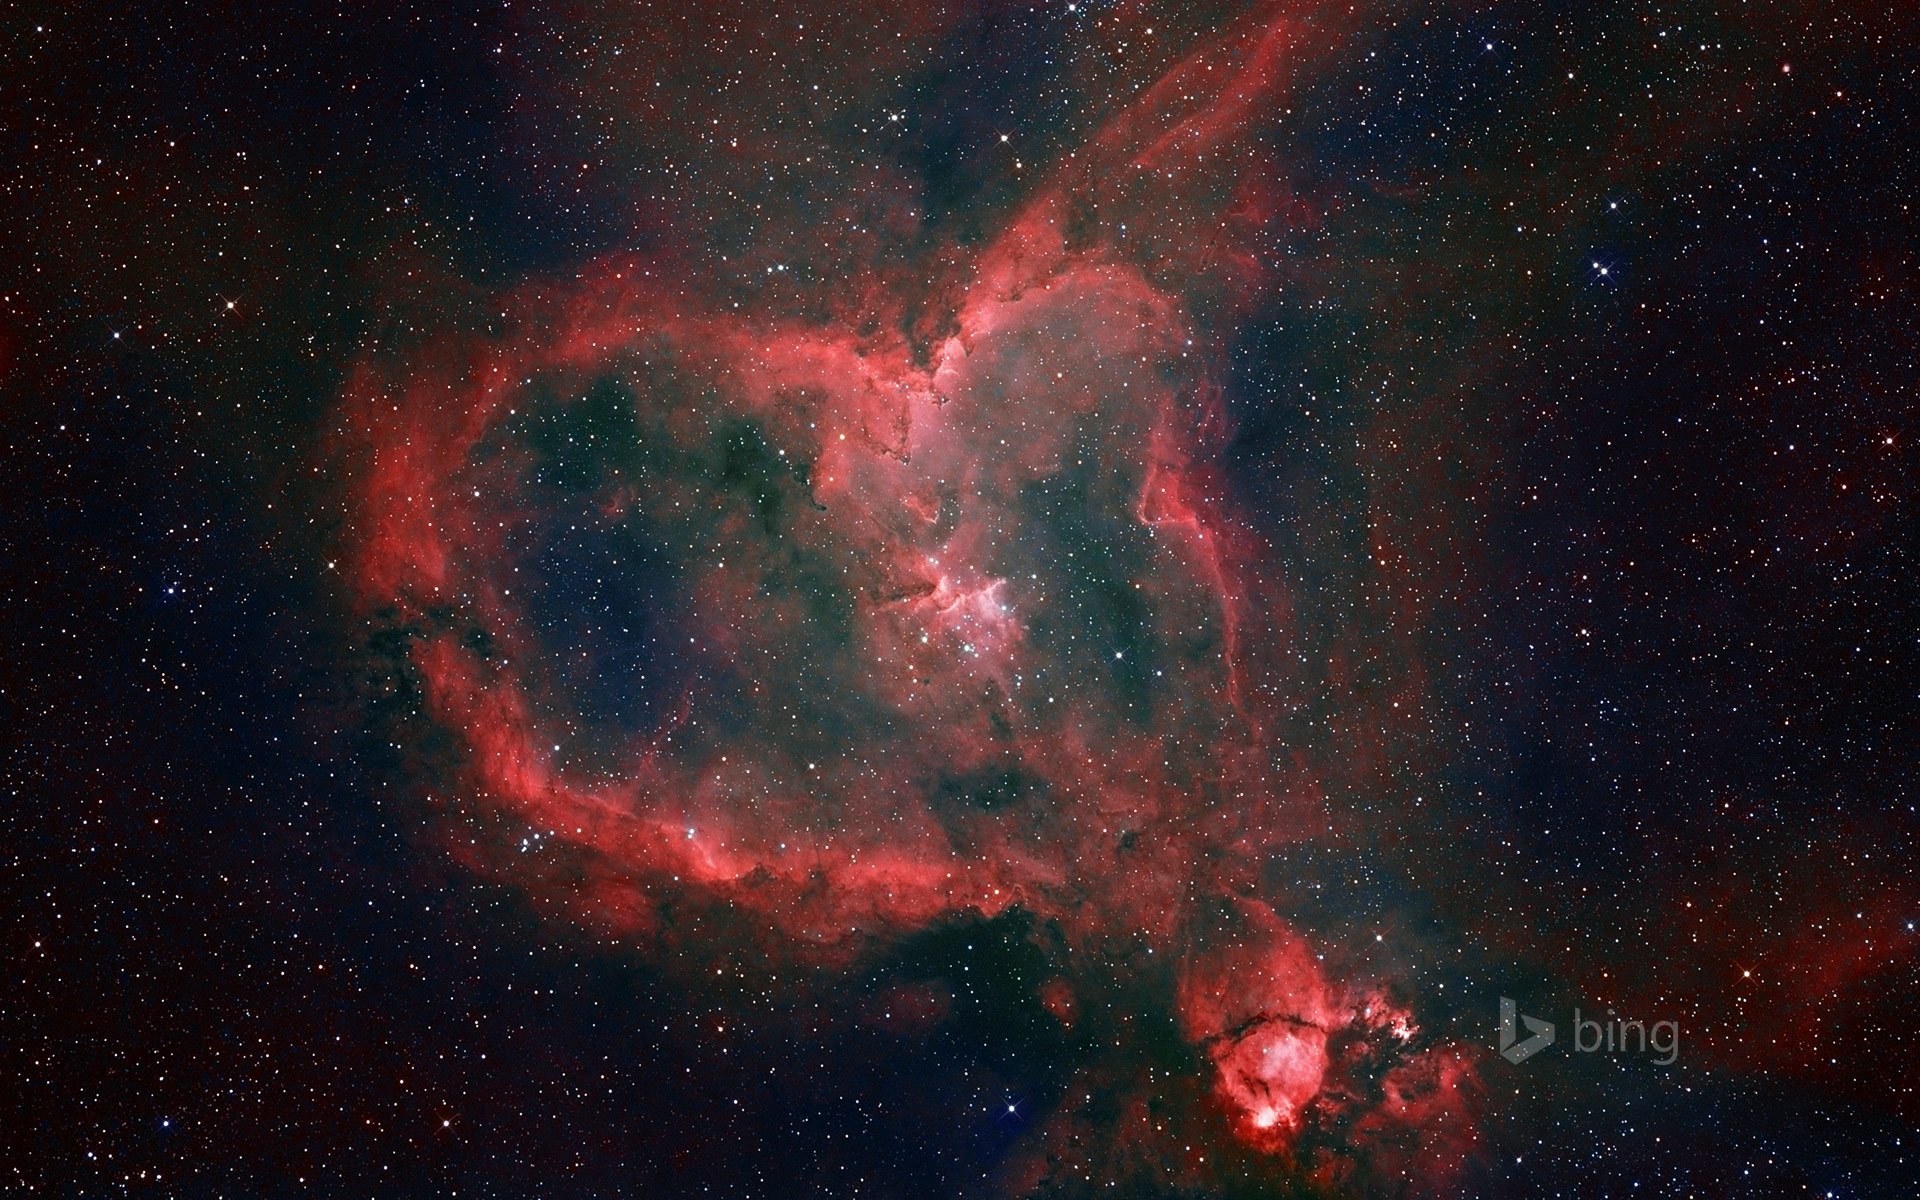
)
(993, 541)
(1261, 1010)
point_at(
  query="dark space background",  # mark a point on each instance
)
(1628, 289)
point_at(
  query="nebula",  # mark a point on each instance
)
(1042, 598)
(848, 629)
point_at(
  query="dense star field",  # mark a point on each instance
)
(992, 599)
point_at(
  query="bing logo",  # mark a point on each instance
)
(1511, 1048)
(1615, 1035)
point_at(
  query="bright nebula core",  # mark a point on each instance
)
(982, 599)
